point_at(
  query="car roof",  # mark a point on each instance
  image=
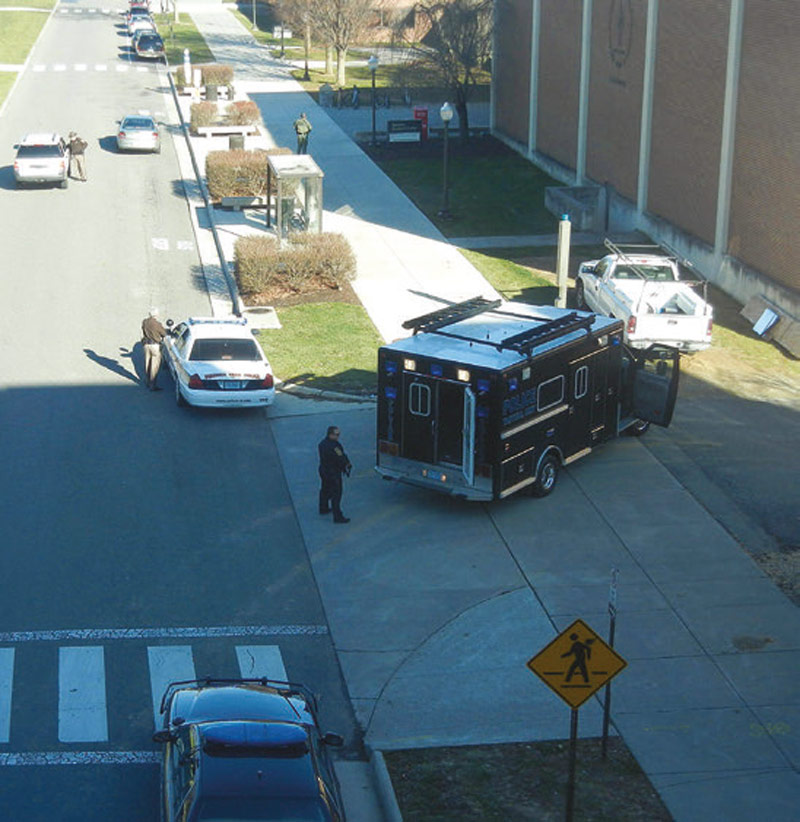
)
(217, 327)
(240, 702)
(40, 138)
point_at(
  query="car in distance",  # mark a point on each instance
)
(245, 749)
(217, 362)
(148, 45)
(42, 158)
(141, 24)
(138, 133)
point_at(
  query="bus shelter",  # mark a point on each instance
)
(296, 181)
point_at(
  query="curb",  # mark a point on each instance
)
(305, 392)
(385, 790)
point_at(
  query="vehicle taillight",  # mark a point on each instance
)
(710, 326)
(121, 135)
(195, 381)
(267, 382)
(632, 324)
(16, 165)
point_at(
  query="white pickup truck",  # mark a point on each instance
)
(646, 291)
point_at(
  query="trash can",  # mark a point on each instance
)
(211, 93)
(421, 114)
(235, 141)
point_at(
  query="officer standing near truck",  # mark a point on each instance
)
(333, 462)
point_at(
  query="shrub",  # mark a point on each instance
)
(243, 113)
(216, 74)
(202, 114)
(236, 173)
(307, 262)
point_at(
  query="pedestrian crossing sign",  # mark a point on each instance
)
(576, 664)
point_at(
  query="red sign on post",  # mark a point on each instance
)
(421, 113)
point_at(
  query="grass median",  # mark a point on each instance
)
(182, 35)
(18, 33)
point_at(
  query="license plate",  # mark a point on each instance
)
(231, 385)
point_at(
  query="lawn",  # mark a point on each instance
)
(182, 35)
(29, 4)
(329, 345)
(513, 281)
(18, 32)
(493, 190)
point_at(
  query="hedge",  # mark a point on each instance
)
(307, 262)
(202, 114)
(239, 173)
(216, 74)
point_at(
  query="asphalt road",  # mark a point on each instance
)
(121, 512)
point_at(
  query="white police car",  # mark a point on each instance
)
(216, 362)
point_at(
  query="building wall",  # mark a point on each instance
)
(559, 78)
(512, 86)
(765, 200)
(688, 98)
(615, 93)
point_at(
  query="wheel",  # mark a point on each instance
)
(180, 400)
(158, 149)
(546, 475)
(580, 295)
(638, 428)
(64, 183)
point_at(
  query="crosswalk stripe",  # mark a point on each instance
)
(80, 66)
(101, 67)
(168, 663)
(82, 695)
(6, 683)
(256, 661)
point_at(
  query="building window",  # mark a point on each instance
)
(550, 393)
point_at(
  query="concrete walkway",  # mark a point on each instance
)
(435, 605)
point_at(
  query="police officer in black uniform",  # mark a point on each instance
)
(333, 463)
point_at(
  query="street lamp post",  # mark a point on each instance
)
(373, 67)
(446, 113)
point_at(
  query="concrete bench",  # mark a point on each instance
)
(238, 203)
(207, 131)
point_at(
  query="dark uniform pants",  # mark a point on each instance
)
(330, 494)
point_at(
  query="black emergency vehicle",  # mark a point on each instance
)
(488, 398)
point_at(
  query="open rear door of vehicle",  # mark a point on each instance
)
(655, 384)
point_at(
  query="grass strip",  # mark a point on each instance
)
(18, 33)
(513, 281)
(332, 346)
(28, 4)
(182, 35)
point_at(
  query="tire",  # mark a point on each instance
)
(64, 183)
(180, 400)
(580, 296)
(546, 475)
(158, 149)
(639, 428)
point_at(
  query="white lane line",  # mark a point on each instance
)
(6, 684)
(122, 68)
(185, 245)
(101, 67)
(160, 243)
(80, 66)
(256, 661)
(168, 663)
(163, 633)
(82, 695)
(39, 67)
(59, 67)
(142, 69)
(81, 758)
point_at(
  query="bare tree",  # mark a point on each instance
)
(339, 22)
(457, 45)
(298, 14)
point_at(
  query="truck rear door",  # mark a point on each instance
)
(655, 383)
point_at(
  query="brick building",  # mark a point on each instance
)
(686, 112)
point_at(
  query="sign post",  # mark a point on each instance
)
(612, 617)
(576, 664)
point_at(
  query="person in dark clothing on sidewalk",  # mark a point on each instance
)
(333, 462)
(152, 334)
(302, 128)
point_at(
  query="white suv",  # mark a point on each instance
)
(42, 158)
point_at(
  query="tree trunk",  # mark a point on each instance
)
(463, 118)
(341, 54)
(328, 60)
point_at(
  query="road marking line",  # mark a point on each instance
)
(6, 683)
(59, 67)
(185, 245)
(81, 758)
(101, 67)
(142, 68)
(80, 66)
(122, 68)
(168, 663)
(39, 67)
(256, 661)
(82, 695)
(160, 243)
(163, 633)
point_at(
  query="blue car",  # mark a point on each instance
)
(245, 749)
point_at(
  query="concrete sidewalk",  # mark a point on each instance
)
(434, 605)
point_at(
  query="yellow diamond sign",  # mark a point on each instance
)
(576, 664)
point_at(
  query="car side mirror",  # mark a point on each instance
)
(164, 736)
(334, 740)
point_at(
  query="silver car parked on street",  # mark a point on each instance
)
(138, 132)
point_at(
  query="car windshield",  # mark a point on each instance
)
(225, 349)
(138, 122)
(149, 40)
(39, 151)
(661, 273)
(286, 810)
